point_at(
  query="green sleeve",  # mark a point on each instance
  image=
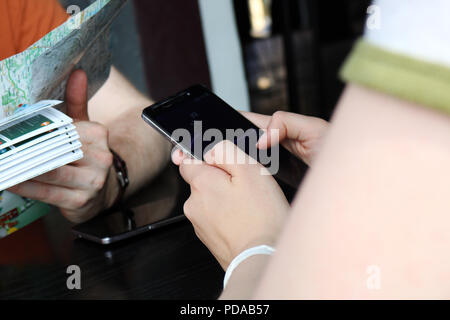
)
(399, 75)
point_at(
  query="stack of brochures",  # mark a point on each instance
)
(36, 141)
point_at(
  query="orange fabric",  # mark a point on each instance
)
(23, 22)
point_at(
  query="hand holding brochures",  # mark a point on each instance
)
(35, 135)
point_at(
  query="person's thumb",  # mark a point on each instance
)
(231, 159)
(77, 96)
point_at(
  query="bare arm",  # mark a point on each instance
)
(118, 105)
(375, 204)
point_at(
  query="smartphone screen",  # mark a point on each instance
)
(196, 119)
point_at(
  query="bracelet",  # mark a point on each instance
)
(263, 249)
(120, 167)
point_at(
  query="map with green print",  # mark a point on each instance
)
(41, 71)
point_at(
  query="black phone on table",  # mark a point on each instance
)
(114, 226)
(157, 205)
(186, 118)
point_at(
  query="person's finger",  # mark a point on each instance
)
(58, 196)
(286, 125)
(77, 96)
(191, 207)
(178, 156)
(199, 174)
(80, 178)
(261, 121)
(234, 161)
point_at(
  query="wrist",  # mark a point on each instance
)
(263, 240)
(121, 174)
(112, 188)
(244, 255)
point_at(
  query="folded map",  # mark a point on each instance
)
(35, 136)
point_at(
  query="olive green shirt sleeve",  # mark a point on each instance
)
(398, 75)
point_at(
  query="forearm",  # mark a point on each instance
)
(118, 105)
(245, 278)
(144, 150)
(384, 170)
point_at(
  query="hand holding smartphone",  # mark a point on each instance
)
(196, 119)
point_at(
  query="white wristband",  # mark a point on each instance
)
(264, 249)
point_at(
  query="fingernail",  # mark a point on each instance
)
(175, 150)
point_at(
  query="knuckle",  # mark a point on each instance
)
(104, 158)
(97, 131)
(279, 115)
(108, 159)
(323, 123)
(98, 182)
(188, 209)
(81, 126)
(80, 200)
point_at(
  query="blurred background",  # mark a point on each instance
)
(259, 55)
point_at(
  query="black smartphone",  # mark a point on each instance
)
(157, 205)
(196, 119)
(114, 226)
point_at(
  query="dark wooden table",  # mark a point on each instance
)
(169, 263)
